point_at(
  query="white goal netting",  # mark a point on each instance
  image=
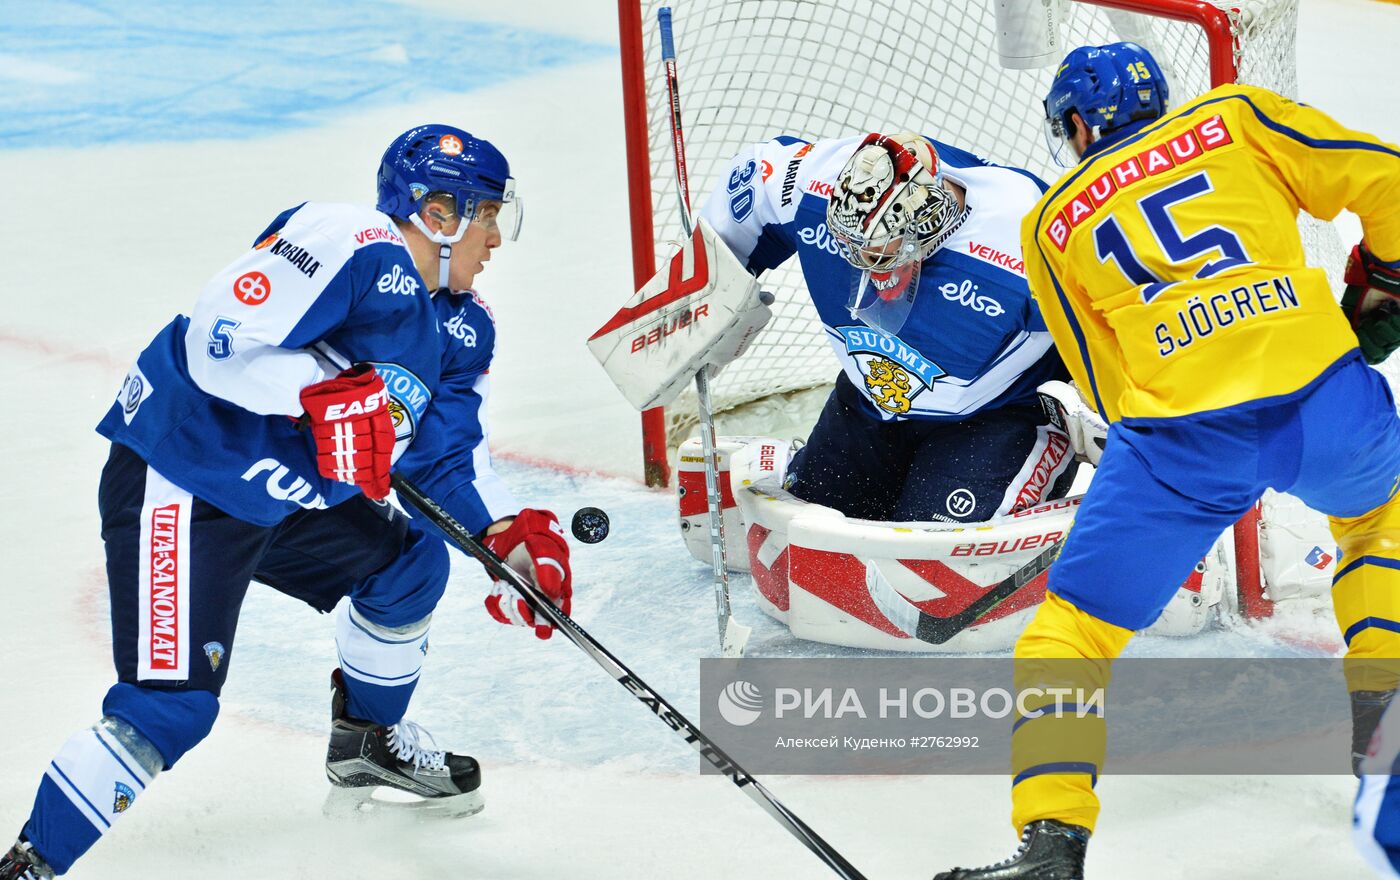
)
(753, 69)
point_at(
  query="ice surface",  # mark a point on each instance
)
(102, 239)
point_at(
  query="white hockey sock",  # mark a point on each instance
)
(386, 657)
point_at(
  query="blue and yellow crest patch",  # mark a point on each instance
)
(123, 798)
(215, 652)
(408, 400)
(895, 373)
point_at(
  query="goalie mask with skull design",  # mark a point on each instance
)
(889, 210)
(889, 205)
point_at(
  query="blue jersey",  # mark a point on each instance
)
(449, 459)
(974, 339)
(211, 403)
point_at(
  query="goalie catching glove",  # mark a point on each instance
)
(1068, 411)
(533, 544)
(1372, 304)
(354, 433)
(702, 309)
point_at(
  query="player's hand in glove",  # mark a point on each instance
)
(533, 544)
(1372, 304)
(1067, 411)
(349, 419)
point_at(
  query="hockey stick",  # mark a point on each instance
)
(733, 636)
(658, 704)
(919, 624)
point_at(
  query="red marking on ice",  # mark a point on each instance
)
(1322, 644)
(564, 467)
(74, 355)
(67, 353)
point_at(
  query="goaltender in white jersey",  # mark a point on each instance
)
(910, 251)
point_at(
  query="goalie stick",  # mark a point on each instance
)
(919, 624)
(658, 704)
(733, 636)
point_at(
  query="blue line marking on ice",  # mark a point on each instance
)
(106, 71)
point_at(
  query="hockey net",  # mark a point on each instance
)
(753, 69)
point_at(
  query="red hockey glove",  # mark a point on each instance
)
(354, 433)
(1372, 304)
(534, 546)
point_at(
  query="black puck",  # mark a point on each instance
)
(590, 525)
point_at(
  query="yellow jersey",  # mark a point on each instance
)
(1169, 267)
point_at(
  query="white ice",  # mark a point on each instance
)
(100, 245)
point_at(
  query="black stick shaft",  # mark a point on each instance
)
(659, 706)
(938, 630)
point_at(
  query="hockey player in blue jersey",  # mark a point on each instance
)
(910, 252)
(253, 440)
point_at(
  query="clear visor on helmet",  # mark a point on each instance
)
(883, 293)
(1057, 140)
(505, 214)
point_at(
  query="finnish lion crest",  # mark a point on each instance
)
(122, 798)
(888, 384)
(215, 652)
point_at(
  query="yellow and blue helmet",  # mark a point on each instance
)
(1109, 86)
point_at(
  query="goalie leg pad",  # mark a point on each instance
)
(740, 462)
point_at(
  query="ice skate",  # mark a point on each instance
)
(1367, 707)
(23, 863)
(375, 767)
(1049, 850)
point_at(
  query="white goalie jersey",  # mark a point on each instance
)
(974, 339)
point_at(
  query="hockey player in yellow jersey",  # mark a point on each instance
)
(1170, 271)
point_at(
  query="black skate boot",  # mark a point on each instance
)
(1049, 850)
(23, 863)
(1367, 707)
(378, 767)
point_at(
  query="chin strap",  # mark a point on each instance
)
(444, 264)
(444, 243)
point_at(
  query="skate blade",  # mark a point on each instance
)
(363, 802)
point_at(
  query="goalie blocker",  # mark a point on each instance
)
(853, 582)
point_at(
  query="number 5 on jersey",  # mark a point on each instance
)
(221, 338)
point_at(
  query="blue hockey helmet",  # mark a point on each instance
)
(443, 159)
(1109, 86)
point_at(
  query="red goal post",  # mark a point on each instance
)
(753, 69)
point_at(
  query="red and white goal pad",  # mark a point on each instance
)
(823, 574)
